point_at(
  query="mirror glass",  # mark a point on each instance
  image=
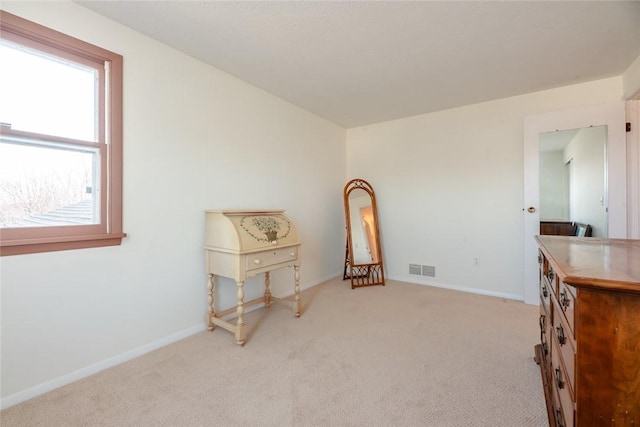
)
(363, 239)
(363, 259)
(573, 196)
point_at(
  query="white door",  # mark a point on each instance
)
(610, 115)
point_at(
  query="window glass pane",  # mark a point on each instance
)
(47, 95)
(47, 186)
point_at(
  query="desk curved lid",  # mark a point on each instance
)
(245, 231)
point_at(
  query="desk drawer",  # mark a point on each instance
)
(271, 257)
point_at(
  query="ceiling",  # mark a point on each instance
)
(361, 62)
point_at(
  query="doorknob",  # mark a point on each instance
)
(531, 209)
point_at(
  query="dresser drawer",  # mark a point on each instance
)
(552, 279)
(545, 333)
(557, 409)
(560, 382)
(271, 257)
(566, 304)
(565, 345)
(545, 292)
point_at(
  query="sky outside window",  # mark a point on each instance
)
(45, 95)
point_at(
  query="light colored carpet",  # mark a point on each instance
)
(398, 355)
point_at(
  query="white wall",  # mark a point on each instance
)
(194, 139)
(449, 186)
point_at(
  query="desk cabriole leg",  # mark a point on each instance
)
(240, 310)
(210, 309)
(267, 289)
(297, 304)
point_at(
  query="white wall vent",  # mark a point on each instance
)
(429, 270)
(422, 270)
(415, 269)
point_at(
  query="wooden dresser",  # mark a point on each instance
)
(557, 228)
(241, 244)
(589, 351)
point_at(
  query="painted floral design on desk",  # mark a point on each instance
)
(271, 227)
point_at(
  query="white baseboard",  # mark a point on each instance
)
(32, 392)
(436, 284)
(324, 279)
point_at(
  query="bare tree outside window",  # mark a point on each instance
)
(30, 189)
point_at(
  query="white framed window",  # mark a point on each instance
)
(60, 141)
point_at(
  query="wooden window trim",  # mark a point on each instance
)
(17, 241)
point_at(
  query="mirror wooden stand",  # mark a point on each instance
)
(363, 257)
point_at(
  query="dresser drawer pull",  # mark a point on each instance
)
(559, 381)
(559, 422)
(561, 338)
(551, 274)
(543, 341)
(543, 335)
(545, 292)
(292, 254)
(256, 261)
(564, 300)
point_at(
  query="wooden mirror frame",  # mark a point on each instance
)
(366, 274)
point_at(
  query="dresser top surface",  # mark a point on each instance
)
(594, 261)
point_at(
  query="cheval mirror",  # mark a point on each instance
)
(363, 258)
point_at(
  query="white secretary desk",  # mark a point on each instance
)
(240, 244)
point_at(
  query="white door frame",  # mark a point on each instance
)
(613, 116)
(633, 170)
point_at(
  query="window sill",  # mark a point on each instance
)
(32, 246)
